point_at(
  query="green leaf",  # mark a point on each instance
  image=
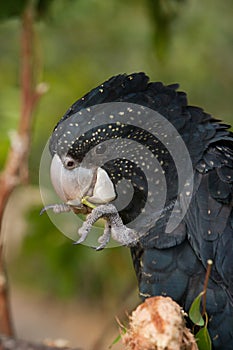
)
(115, 341)
(203, 339)
(195, 313)
(123, 331)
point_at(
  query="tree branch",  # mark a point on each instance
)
(15, 171)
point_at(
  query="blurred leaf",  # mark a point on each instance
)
(15, 8)
(67, 270)
(163, 13)
(12, 8)
(203, 339)
(43, 7)
(194, 311)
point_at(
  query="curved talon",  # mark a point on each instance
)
(47, 207)
(44, 210)
(105, 237)
(79, 241)
(83, 234)
(100, 247)
(95, 248)
(57, 208)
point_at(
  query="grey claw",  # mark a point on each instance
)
(43, 210)
(79, 241)
(82, 238)
(95, 248)
(47, 207)
(105, 238)
(57, 208)
(83, 232)
(101, 247)
(104, 242)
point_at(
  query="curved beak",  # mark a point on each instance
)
(72, 185)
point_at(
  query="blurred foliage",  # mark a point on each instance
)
(163, 13)
(15, 8)
(79, 44)
(49, 261)
(12, 8)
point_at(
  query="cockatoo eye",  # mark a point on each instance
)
(69, 163)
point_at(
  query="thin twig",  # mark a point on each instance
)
(207, 277)
(16, 168)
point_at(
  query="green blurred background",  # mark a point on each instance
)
(79, 44)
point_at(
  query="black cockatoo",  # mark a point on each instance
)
(128, 146)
